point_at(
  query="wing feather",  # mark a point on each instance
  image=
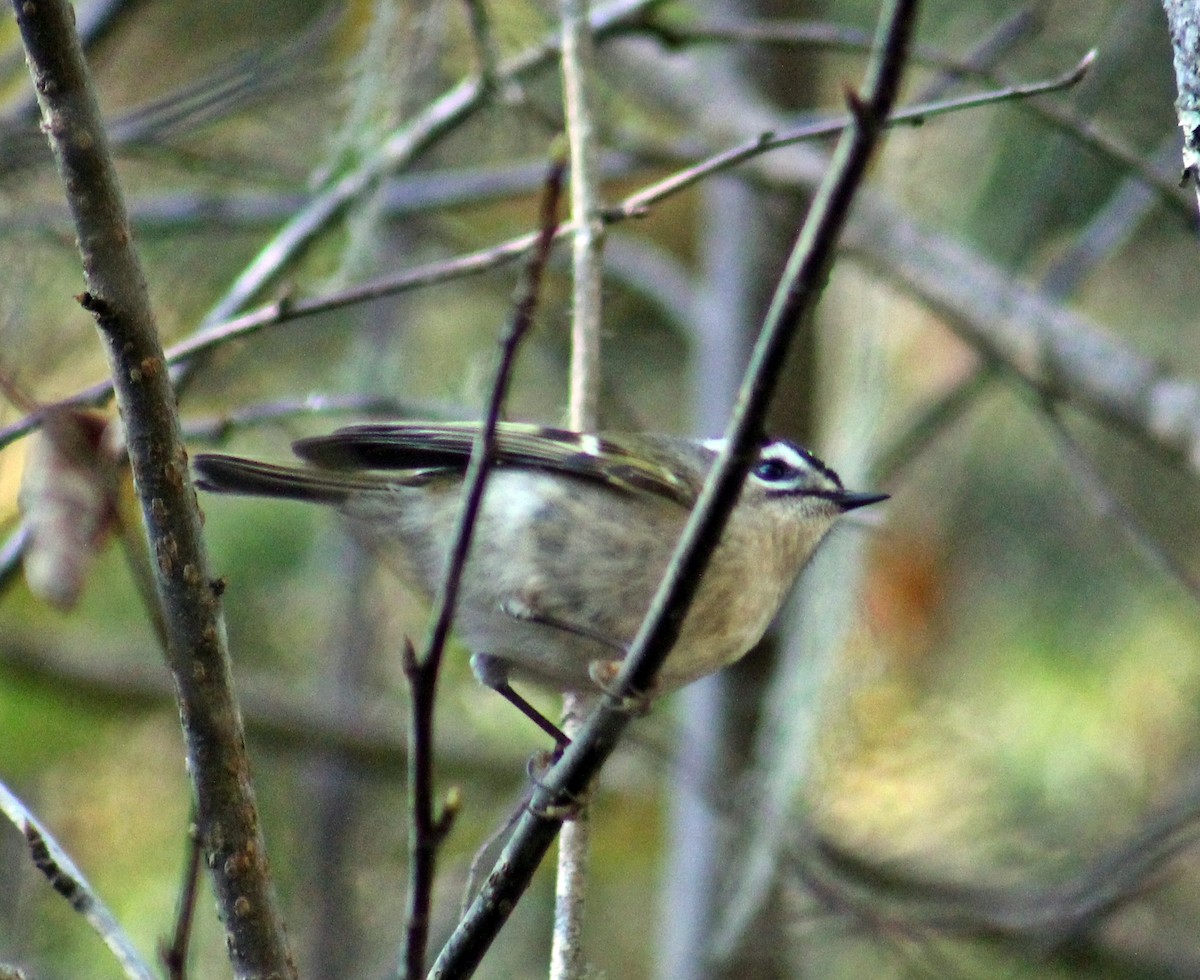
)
(447, 446)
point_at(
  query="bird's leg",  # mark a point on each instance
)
(493, 672)
(602, 672)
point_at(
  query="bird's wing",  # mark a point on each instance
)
(446, 446)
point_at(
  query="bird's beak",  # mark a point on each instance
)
(848, 500)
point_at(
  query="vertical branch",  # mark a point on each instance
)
(227, 816)
(588, 241)
(483, 37)
(566, 955)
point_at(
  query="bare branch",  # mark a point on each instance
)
(427, 828)
(1183, 18)
(837, 36)
(69, 882)
(797, 295)
(197, 653)
(567, 961)
(208, 338)
(636, 204)
(174, 954)
(440, 117)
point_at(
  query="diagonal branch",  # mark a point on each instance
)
(794, 301)
(69, 882)
(439, 118)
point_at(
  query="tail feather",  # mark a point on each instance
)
(233, 474)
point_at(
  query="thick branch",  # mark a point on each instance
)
(1061, 352)
(196, 651)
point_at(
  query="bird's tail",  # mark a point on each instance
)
(233, 474)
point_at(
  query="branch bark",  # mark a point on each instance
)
(1183, 20)
(567, 959)
(189, 596)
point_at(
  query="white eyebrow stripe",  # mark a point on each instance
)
(783, 450)
(805, 473)
(716, 445)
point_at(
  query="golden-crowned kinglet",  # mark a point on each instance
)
(572, 538)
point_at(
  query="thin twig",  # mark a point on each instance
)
(992, 49)
(487, 58)
(70, 882)
(175, 954)
(835, 36)
(197, 654)
(802, 283)
(636, 204)
(631, 207)
(440, 117)
(210, 338)
(427, 828)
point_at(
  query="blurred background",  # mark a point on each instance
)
(968, 749)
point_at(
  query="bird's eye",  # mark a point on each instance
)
(773, 471)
